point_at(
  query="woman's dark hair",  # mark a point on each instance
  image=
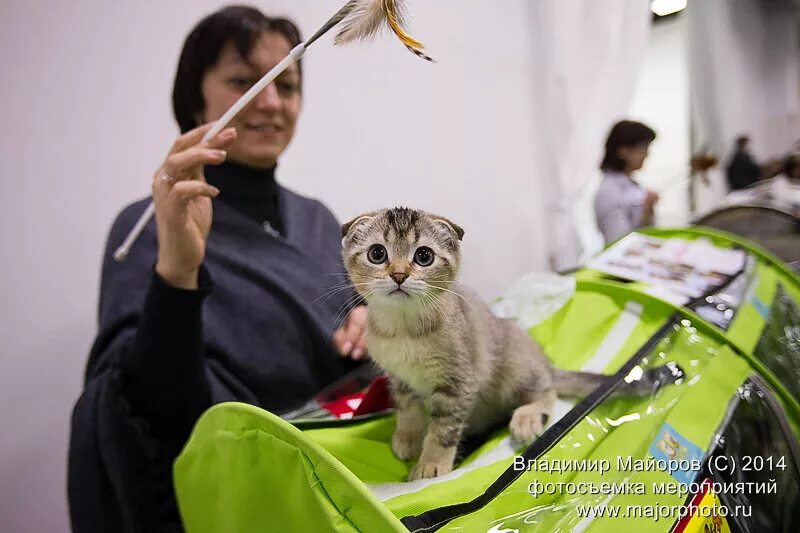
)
(241, 25)
(624, 133)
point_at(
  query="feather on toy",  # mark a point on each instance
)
(370, 16)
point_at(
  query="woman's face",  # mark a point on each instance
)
(266, 125)
(633, 156)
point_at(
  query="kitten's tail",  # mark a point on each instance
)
(569, 383)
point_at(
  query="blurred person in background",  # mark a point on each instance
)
(621, 204)
(743, 171)
(786, 186)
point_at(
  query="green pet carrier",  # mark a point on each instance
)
(715, 446)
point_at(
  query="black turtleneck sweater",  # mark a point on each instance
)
(167, 357)
(251, 191)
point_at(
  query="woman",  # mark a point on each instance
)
(622, 205)
(171, 341)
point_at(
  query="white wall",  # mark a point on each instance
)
(662, 102)
(586, 56)
(85, 98)
(745, 74)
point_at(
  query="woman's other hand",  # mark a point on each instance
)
(651, 198)
(350, 339)
(648, 214)
(183, 204)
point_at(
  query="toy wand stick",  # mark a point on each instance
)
(368, 16)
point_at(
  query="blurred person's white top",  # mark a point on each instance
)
(779, 192)
(618, 205)
(787, 191)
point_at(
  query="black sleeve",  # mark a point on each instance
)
(163, 371)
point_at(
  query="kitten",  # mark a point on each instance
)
(448, 358)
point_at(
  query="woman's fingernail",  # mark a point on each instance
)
(357, 353)
(214, 190)
(219, 153)
(347, 346)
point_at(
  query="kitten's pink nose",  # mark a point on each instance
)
(399, 277)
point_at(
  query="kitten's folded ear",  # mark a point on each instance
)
(452, 226)
(353, 224)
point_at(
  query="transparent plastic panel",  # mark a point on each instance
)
(617, 451)
(753, 468)
(779, 346)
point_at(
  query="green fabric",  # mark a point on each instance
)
(573, 334)
(748, 324)
(623, 427)
(746, 329)
(363, 449)
(247, 470)
(213, 458)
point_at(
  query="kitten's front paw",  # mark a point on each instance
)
(527, 423)
(406, 444)
(428, 470)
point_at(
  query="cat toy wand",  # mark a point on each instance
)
(361, 20)
(699, 165)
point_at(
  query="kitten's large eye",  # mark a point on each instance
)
(377, 254)
(423, 256)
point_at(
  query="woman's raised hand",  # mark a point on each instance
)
(183, 204)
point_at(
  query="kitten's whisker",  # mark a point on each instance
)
(440, 304)
(445, 283)
(448, 290)
(338, 286)
(436, 301)
(348, 305)
(336, 289)
(424, 303)
(438, 313)
(426, 314)
(331, 292)
(347, 284)
(431, 316)
(352, 302)
(426, 298)
(437, 304)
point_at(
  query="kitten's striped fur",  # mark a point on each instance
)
(454, 368)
